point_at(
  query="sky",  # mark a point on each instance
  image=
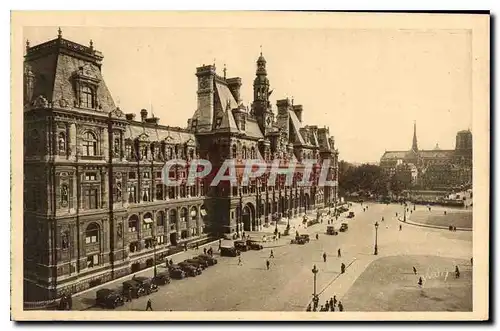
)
(367, 85)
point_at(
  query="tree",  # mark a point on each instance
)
(365, 178)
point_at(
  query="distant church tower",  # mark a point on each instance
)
(414, 146)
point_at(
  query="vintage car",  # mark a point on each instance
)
(351, 214)
(255, 245)
(176, 272)
(305, 237)
(344, 227)
(198, 263)
(208, 258)
(330, 229)
(132, 287)
(147, 284)
(190, 270)
(241, 245)
(298, 240)
(162, 278)
(229, 251)
(107, 298)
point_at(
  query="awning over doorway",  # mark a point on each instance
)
(148, 220)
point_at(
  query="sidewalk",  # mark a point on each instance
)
(430, 225)
(86, 299)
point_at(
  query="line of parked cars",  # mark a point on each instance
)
(240, 246)
(140, 285)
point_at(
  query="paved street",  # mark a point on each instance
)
(288, 285)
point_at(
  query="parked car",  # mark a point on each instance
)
(176, 272)
(207, 263)
(134, 289)
(229, 251)
(208, 258)
(240, 245)
(351, 214)
(255, 245)
(147, 284)
(107, 298)
(344, 227)
(198, 263)
(189, 269)
(162, 278)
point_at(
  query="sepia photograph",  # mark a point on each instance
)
(250, 166)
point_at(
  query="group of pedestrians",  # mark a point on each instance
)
(330, 305)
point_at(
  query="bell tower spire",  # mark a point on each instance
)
(261, 105)
(414, 145)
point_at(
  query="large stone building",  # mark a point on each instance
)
(436, 168)
(95, 206)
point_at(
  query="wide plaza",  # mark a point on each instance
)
(382, 282)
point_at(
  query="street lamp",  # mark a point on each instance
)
(314, 271)
(404, 217)
(154, 255)
(376, 233)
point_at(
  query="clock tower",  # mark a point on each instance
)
(261, 105)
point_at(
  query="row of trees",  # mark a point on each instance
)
(370, 178)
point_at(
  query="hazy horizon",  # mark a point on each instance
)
(367, 86)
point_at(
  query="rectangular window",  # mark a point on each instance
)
(131, 175)
(92, 261)
(158, 174)
(90, 176)
(132, 198)
(90, 196)
(160, 240)
(145, 174)
(91, 239)
(146, 194)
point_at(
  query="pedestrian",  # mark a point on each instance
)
(171, 262)
(70, 301)
(272, 254)
(243, 234)
(309, 308)
(129, 294)
(471, 261)
(267, 264)
(327, 306)
(382, 218)
(457, 272)
(400, 227)
(185, 247)
(279, 235)
(420, 282)
(331, 302)
(414, 270)
(322, 308)
(239, 260)
(338, 253)
(396, 214)
(148, 305)
(342, 268)
(334, 300)
(341, 307)
(324, 257)
(220, 244)
(455, 228)
(204, 250)
(317, 236)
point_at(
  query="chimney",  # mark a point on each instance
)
(144, 114)
(283, 106)
(234, 85)
(130, 116)
(153, 120)
(297, 109)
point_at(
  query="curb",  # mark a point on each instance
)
(440, 227)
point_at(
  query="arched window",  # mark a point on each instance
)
(172, 217)
(89, 144)
(233, 152)
(193, 213)
(132, 223)
(244, 152)
(184, 214)
(87, 97)
(147, 220)
(92, 233)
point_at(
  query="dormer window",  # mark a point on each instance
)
(86, 97)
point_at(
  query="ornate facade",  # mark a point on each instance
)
(95, 206)
(434, 169)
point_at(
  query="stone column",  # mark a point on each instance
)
(104, 188)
